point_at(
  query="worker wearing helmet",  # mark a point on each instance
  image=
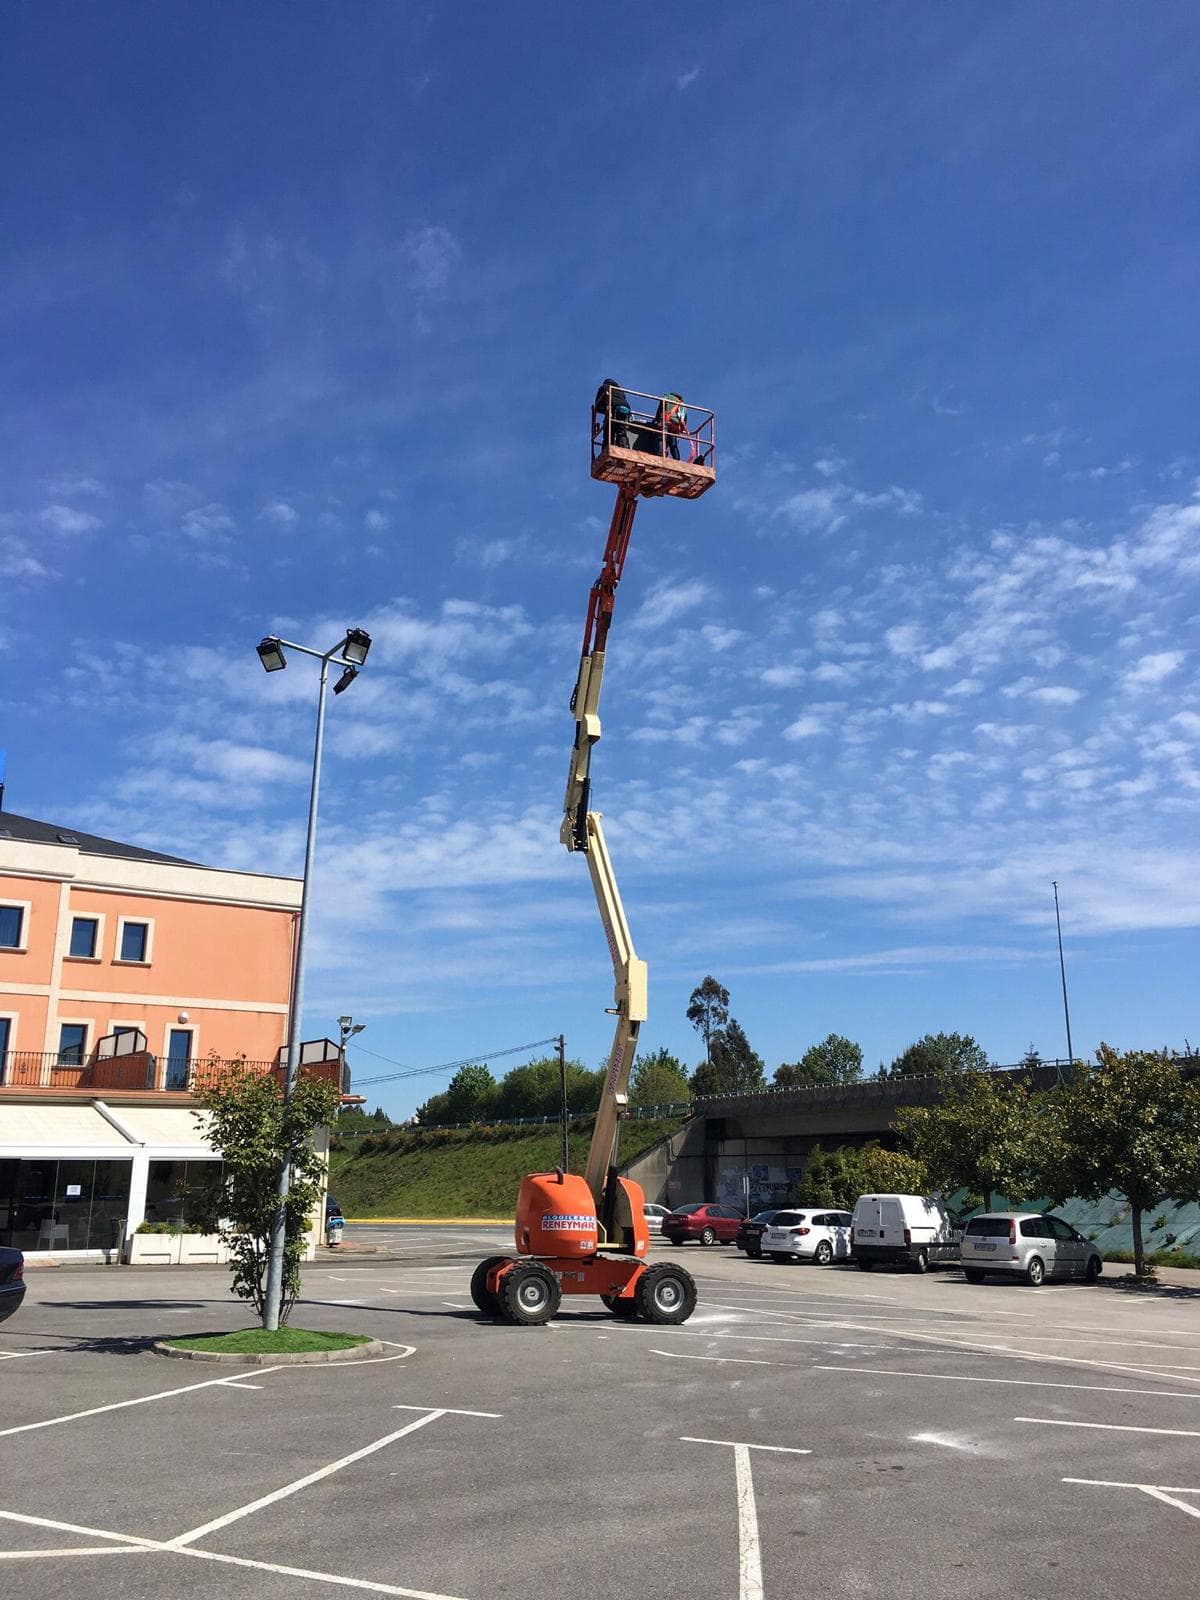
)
(671, 420)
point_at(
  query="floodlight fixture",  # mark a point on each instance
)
(270, 653)
(357, 644)
(346, 679)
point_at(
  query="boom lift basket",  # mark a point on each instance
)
(638, 451)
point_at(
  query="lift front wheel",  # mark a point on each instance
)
(665, 1293)
(529, 1294)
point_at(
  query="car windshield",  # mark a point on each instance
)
(989, 1227)
(688, 1211)
(763, 1216)
(788, 1219)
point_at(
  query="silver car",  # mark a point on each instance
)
(1029, 1245)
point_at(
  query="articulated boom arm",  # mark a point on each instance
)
(629, 1003)
(585, 701)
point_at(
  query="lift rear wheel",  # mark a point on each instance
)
(665, 1293)
(485, 1300)
(529, 1294)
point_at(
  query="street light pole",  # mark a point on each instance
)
(1062, 967)
(349, 653)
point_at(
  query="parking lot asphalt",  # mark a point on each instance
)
(810, 1431)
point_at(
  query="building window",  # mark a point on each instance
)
(83, 936)
(135, 941)
(72, 1043)
(12, 926)
(63, 1205)
(5, 1041)
(183, 1193)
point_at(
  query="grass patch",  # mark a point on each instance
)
(284, 1341)
(464, 1172)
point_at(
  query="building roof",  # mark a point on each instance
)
(32, 831)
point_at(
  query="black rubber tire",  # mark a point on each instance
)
(708, 1237)
(623, 1310)
(823, 1254)
(1035, 1272)
(529, 1294)
(972, 1274)
(666, 1294)
(485, 1302)
(754, 1251)
(864, 1266)
(1093, 1269)
(921, 1261)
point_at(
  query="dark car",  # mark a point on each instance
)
(12, 1281)
(749, 1234)
(703, 1222)
(332, 1209)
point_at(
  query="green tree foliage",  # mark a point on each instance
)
(249, 1123)
(658, 1079)
(834, 1060)
(937, 1053)
(533, 1090)
(837, 1177)
(986, 1135)
(1131, 1123)
(708, 1011)
(732, 1068)
(471, 1094)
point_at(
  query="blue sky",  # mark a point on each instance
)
(303, 308)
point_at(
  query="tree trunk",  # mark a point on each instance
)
(1139, 1252)
(987, 1199)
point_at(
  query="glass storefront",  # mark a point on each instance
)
(47, 1204)
(180, 1192)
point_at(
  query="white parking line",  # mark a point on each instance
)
(142, 1400)
(735, 1444)
(19, 1355)
(1156, 1491)
(750, 1584)
(1020, 1383)
(1111, 1427)
(735, 1361)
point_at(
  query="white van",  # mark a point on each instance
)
(909, 1228)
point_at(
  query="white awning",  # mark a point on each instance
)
(164, 1127)
(67, 1129)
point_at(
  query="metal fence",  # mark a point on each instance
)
(140, 1070)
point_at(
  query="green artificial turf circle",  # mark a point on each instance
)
(257, 1341)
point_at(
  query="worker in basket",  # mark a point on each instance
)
(612, 403)
(671, 421)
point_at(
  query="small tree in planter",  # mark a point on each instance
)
(249, 1123)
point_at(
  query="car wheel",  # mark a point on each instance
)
(823, 1254)
(754, 1251)
(1035, 1271)
(529, 1294)
(864, 1266)
(972, 1274)
(623, 1310)
(485, 1301)
(921, 1261)
(1093, 1269)
(708, 1237)
(665, 1294)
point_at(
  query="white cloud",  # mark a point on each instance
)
(782, 677)
(67, 520)
(805, 727)
(685, 80)
(1152, 669)
(1056, 694)
(17, 560)
(207, 522)
(829, 466)
(376, 521)
(279, 513)
(718, 638)
(430, 254)
(669, 599)
(71, 485)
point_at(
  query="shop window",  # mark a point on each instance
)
(63, 1205)
(182, 1193)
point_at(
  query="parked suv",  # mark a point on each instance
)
(707, 1223)
(1027, 1244)
(750, 1232)
(808, 1235)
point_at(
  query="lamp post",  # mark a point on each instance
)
(349, 653)
(1062, 967)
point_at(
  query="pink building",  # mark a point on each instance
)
(123, 974)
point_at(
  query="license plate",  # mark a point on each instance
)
(983, 1246)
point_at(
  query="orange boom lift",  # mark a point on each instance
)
(586, 1234)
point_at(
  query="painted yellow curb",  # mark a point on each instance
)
(440, 1222)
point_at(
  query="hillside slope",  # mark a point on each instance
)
(469, 1172)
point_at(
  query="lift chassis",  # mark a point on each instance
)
(587, 1234)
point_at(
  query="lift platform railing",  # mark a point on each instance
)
(647, 430)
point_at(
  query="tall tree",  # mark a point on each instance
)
(1131, 1124)
(733, 1067)
(834, 1060)
(985, 1136)
(658, 1079)
(471, 1094)
(708, 1011)
(936, 1053)
(248, 1121)
(533, 1090)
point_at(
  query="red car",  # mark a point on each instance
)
(704, 1223)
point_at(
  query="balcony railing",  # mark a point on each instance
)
(140, 1070)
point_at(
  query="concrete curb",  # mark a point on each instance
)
(295, 1358)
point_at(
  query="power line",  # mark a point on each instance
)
(444, 1066)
